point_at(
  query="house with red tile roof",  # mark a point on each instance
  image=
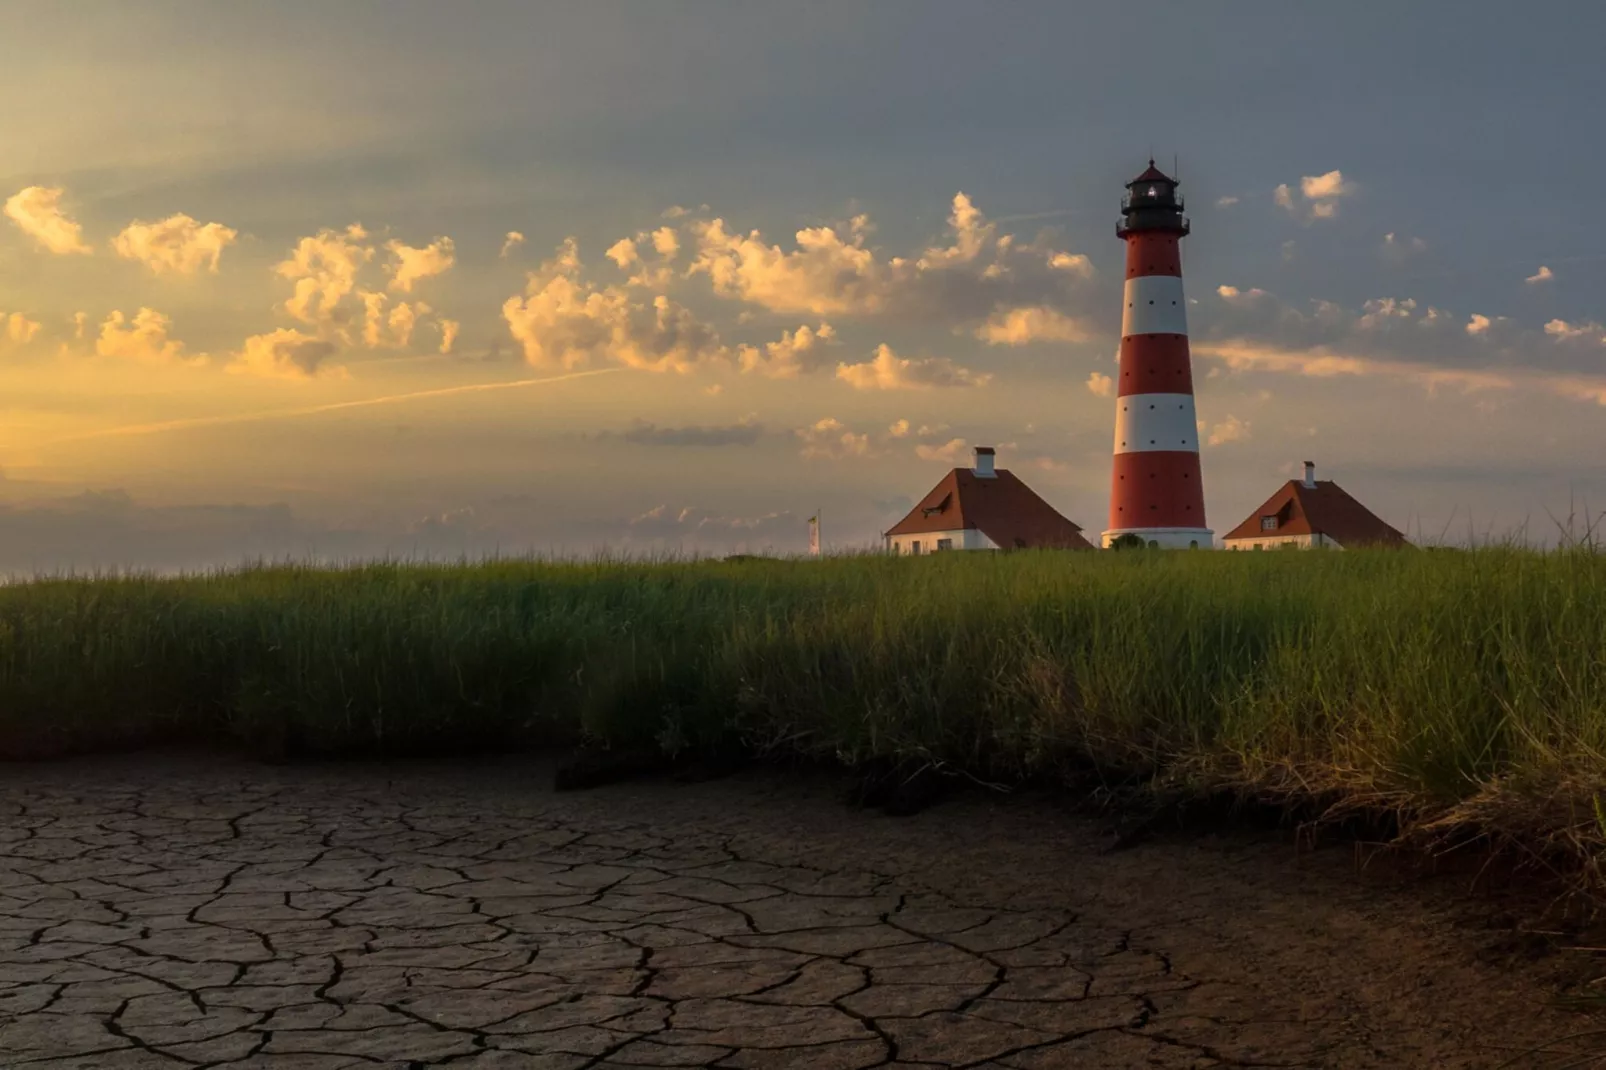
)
(983, 508)
(1311, 513)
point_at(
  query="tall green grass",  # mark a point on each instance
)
(1452, 685)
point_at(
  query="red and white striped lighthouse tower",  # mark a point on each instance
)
(1155, 490)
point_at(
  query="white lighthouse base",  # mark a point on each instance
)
(1164, 538)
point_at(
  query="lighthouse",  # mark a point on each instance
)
(1155, 489)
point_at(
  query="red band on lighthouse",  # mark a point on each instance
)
(1156, 492)
(1155, 364)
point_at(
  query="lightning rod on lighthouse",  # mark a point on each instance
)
(1155, 488)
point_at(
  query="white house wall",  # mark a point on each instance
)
(1277, 542)
(963, 539)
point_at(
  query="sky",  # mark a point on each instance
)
(305, 280)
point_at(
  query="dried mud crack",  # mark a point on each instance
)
(168, 913)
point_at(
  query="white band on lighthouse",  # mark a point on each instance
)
(1154, 305)
(1156, 422)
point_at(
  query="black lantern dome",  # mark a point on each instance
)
(1152, 203)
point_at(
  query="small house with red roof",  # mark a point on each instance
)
(1310, 513)
(983, 508)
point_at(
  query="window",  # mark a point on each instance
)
(914, 547)
(1268, 523)
(945, 544)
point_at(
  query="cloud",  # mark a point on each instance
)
(657, 512)
(690, 525)
(1563, 331)
(285, 354)
(1320, 194)
(1381, 310)
(1101, 385)
(831, 439)
(1326, 364)
(643, 433)
(828, 273)
(971, 235)
(449, 329)
(109, 528)
(144, 339)
(1399, 247)
(623, 253)
(899, 429)
(324, 269)
(37, 212)
(1400, 339)
(1544, 274)
(1022, 326)
(797, 352)
(1392, 330)
(410, 264)
(80, 325)
(393, 328)
(835, 271)
(1231, 429)
(1581, 389)
(888, 371)
(1226, 202)
(177, 244)
(513, 241)
(465, 519)
(950, 452)
(373, 319)
(656, 275)
(564, 321)
(666, 242)
(1326, 187)
(1235, 296)
(403, 318)
(1075, 263)
(18, 329)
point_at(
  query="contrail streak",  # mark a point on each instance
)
(314, 410)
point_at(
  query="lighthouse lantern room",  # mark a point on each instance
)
(1155, 488)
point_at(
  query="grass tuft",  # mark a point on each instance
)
(1452, 689)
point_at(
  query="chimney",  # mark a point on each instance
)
(984, 462)
(1310, 474)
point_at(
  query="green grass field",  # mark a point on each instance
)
(1461, 689)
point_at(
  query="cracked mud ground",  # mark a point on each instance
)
(169, 913)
